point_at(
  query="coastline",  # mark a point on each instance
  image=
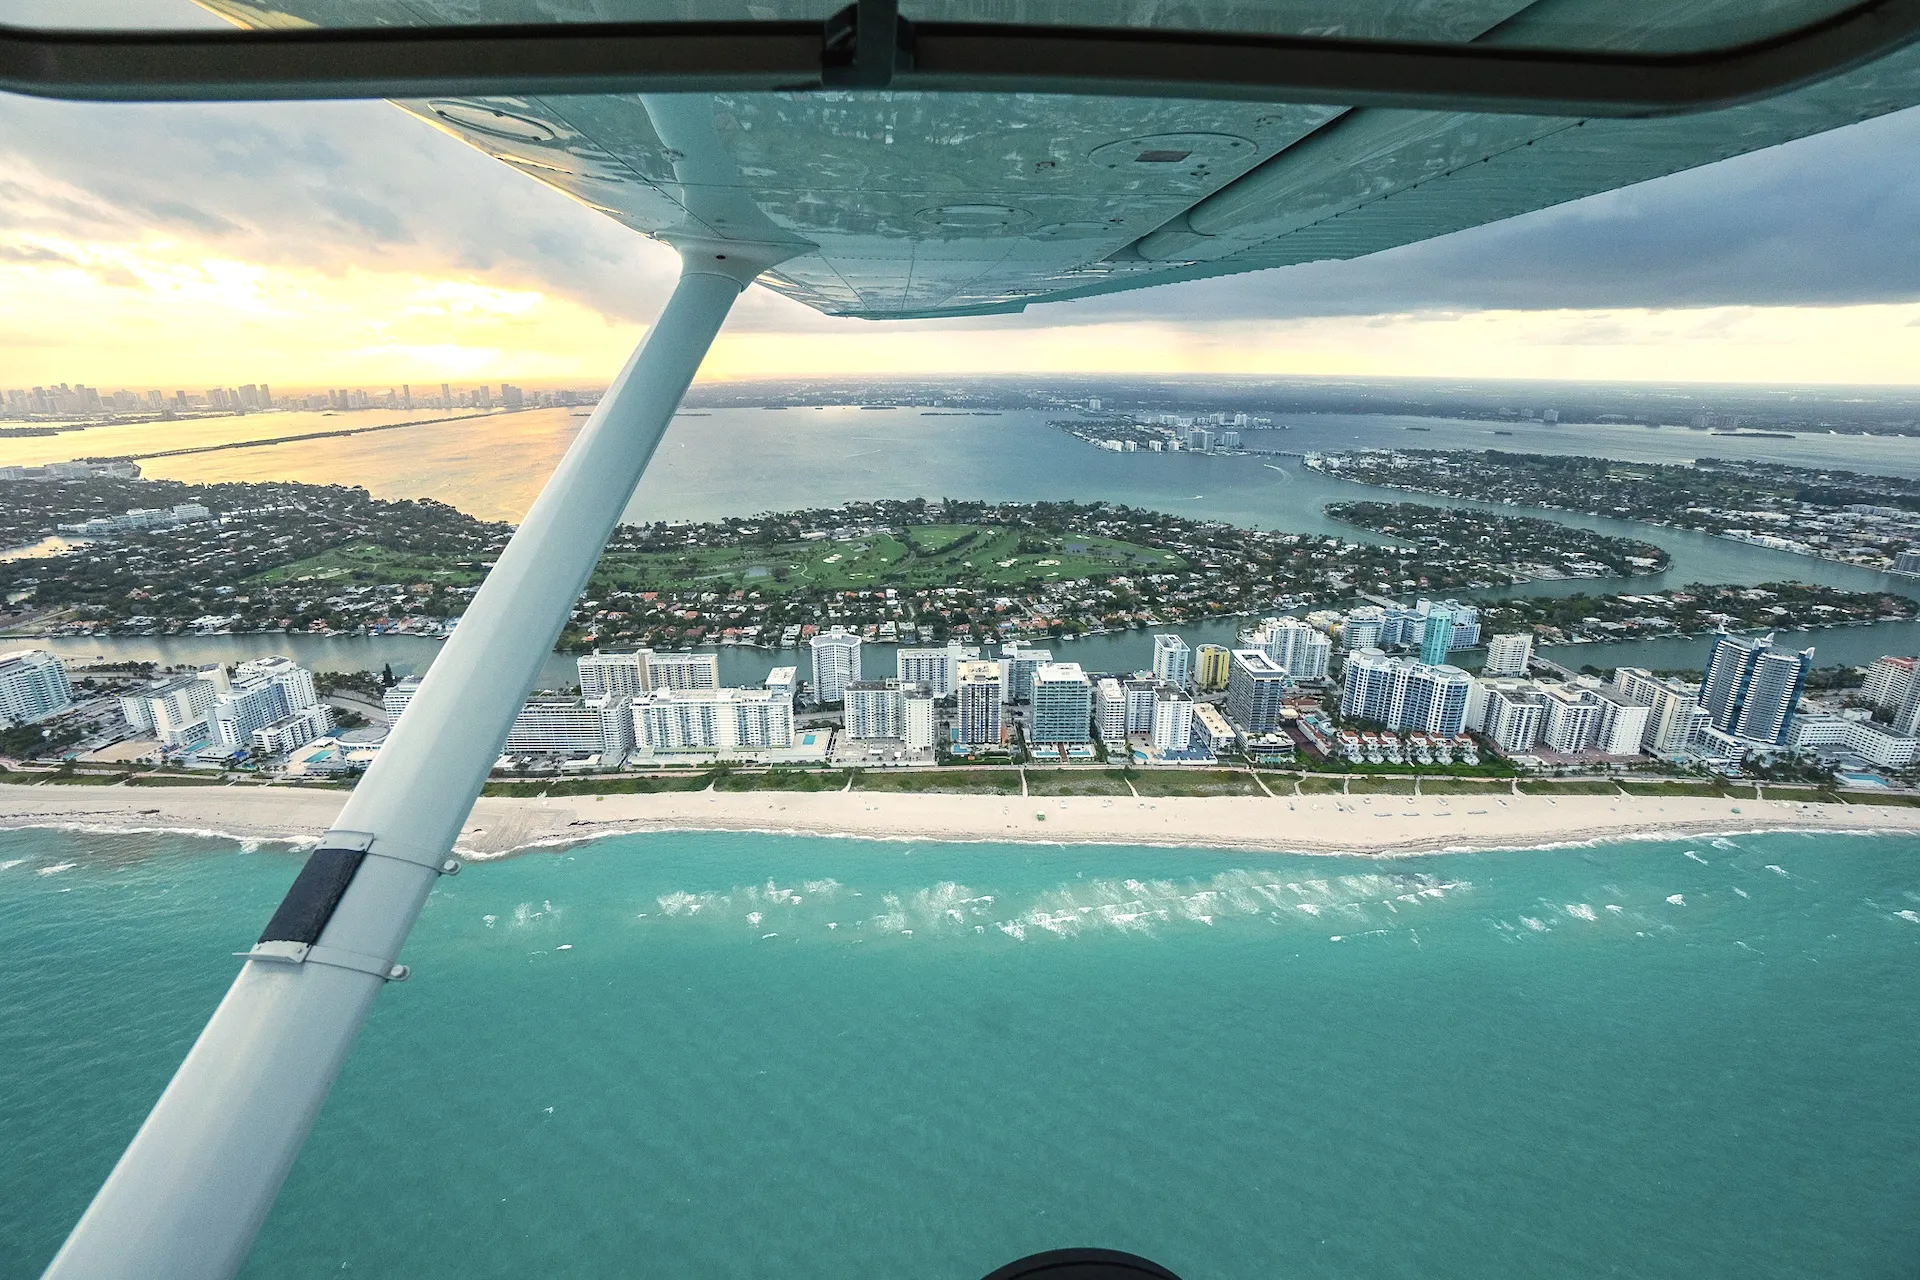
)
(1378, 826)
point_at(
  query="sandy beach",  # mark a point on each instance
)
(1377, 825)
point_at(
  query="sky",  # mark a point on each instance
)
(348, 244)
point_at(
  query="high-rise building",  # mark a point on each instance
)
(938, 669)
(1751, 687)
(1363, 628)
(1509, 655)
(1141, 689)
(1172, 660)
(1212, 665)
(1017, 665)
(574, 726)
(1172, 719)
(1573, 718)
(1302, 649)
(836, 664)
(175, 710)
(397, 695)
(1888, 682)
(33, 686)
(1907, 561)
(1515, 717)
(875, 709)
(1675, 717)
(610, 674)
(668, 720)
(1906, 720)
(1437, 639)
(783, 682)
(1401, 693)
(682, 670)
(1256, 691)
(1110, 710)
(977, 704)
(258, 694)
(919, 724)
(1623, 726)
(1062, 705)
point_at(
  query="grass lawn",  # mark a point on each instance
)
(784, 780)
(527, 787)
(1321, 784)
(364, 562)
(964, 782)
(1463, 787)
(1077, 782)
(923, 556)
(1876, 797)
(1194, 782)
(1569, 787)
(173, 780)
(1707, 790)
(82, 779)
(1381, 787)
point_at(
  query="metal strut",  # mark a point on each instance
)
(198, 1179)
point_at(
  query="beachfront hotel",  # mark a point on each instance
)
(33, 686)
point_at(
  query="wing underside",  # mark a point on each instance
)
(920, 204)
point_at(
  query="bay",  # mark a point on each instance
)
(734, 1055)
(731, 462)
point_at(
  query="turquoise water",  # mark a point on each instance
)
(732, 1055)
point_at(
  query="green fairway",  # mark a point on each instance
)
(363, 562)
(922, 556)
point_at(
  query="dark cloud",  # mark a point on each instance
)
(1828, 220)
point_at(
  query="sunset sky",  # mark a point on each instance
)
(348, 244)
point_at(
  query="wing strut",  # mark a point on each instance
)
(190, 1192)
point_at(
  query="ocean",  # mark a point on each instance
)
(727, 1055)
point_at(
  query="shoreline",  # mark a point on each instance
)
(1378, 826)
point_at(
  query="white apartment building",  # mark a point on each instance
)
(1110, 710)
(1211, 728)
(294, 730)
(1062, 705)
(1573, 718)
(783, 682)
(1140, 691)
(1172, 660)
(1515, 717)
(919, 726)
(977, 704)
(259, 693)
(33, 686)
(681, 671)
(1304, 651)
(1405, 694)
(1888, 682)
(1623, 726)
(711, 720)
(1874, 743)
(836, 664)
(605, 675)
(936, 669)
(1017, 665)
(1509, 655)
(1172, 719)
(573, 726)
(875, 709)
(1675, 719)
(175, 710)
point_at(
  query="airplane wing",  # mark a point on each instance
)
(952, 203)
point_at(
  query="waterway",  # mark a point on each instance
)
(741, 461)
